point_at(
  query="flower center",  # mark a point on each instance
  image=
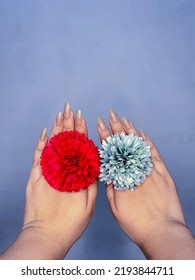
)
(72, 160)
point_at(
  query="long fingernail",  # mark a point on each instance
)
(143, 134)
(101, 123)
(131, 124)
(126, 123)
(67, 110)
(43, 135)
(79, 116)
(59, 119)
(113, 115)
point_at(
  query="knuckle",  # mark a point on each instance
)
(131, 130)
(117, 129)
(157, 158)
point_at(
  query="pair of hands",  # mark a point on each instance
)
(151, 216)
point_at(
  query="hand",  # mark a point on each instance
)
(152, 215)
(53, 220)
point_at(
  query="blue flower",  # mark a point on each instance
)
(125, 161)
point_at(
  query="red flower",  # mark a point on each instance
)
(70, 161)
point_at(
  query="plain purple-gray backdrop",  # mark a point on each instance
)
(136, 56)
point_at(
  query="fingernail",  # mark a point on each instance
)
(43, 135)
(101, 123)
(79, 116)
(148, 138)
(67, 110)
(143, 134)
(126, 123)
(59, 119)
(113, 115)
(131, 124)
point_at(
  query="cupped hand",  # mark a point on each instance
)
(152, 214)
(59, 218)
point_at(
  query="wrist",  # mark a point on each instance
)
(35, 243)
(40, 243)
(170, 240)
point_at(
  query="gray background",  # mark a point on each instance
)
(135, 56)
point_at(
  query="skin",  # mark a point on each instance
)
(53, 221)
(151, 216)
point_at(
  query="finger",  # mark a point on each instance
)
(103, 130)
(35, 172)
(92, 194)
(39, 148)
(80, 123)
(129, 127)
(156, 157)
(115, 123)
(57, 125)
(68, 122)
(154, 151)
